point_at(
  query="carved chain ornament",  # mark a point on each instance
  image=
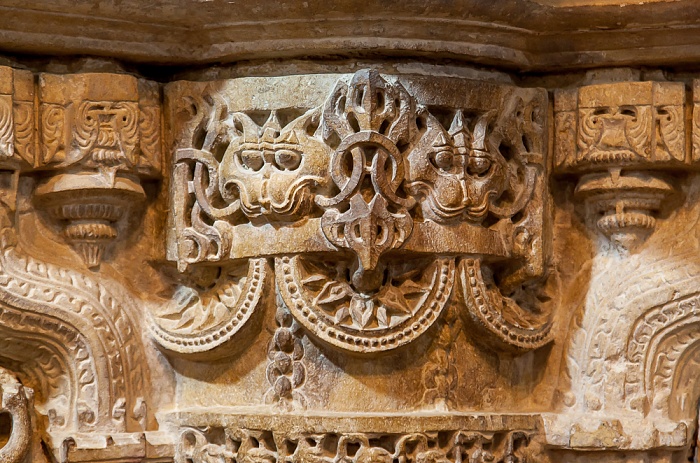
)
(355, 267)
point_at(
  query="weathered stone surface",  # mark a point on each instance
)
(522, 34)
(389, 258)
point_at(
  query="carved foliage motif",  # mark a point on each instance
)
(404, 307)
(369, 174)
(640, 124)
(256, 446)
(501, 316)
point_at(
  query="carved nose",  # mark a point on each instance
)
(613, 134)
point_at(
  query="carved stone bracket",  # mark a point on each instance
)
(622, 141)
(365, 196)
(99, 134)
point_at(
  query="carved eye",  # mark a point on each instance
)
(287, 159)
(252, 159)
(478, 165)
(444, 159)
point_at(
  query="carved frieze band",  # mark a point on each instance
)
(368, 198)
(252, 445)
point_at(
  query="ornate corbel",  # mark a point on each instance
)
(622, 141)
(99, 136)
(373, 208)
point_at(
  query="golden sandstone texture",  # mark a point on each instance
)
(458, 233)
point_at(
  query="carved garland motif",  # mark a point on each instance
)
(285, 372)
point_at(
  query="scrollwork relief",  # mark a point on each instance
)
(366, 179)
(248, 445)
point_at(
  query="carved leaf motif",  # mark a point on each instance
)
(7, 149)
(52, 134)
(361, 311)
(24, 131)
(332, 291)
(201, 318)
(393, 300)
(671, 133)
(409, 293)
(511, 325)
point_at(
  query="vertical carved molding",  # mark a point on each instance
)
(64, 333)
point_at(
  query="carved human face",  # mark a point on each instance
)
(271, 171)
(108, 131)
(616, 133)
(456, 171)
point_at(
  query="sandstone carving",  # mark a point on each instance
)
(368, 173)
(15, 402)
(261, 446)
(350, 247)
(627, 137)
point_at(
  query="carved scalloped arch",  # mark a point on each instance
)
(59, 307)
(661, 344)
